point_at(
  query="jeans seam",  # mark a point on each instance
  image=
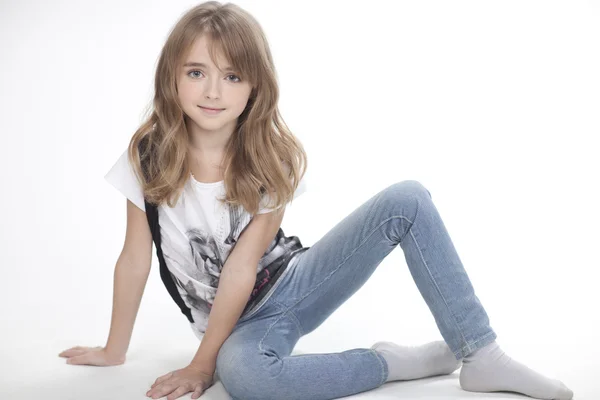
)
(295, 321)
(260, 344)
(346, 259)
(433, 280)
(466, 349)
(377, 356)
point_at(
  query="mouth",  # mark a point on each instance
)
(211, 109)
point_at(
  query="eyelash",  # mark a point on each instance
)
(195, 70)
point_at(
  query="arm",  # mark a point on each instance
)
(130, 276)
(235, 285)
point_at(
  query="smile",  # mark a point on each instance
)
(211, 111)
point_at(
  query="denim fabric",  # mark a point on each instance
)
(255, 361)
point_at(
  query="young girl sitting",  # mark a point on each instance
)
(208, 177)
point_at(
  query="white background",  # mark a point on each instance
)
(493, 106)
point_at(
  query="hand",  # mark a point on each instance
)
(179, 382)
(80, 355)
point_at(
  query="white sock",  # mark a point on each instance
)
(405, 363)
(489, 369)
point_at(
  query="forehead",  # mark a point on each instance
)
(199, 53)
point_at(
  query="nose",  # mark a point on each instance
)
(212, 89)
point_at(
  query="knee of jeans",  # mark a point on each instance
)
(245, 375)
(402, 199)
(232, 373)
(406, 192)
(411, 187)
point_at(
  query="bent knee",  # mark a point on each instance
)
(406, 192)
(247, 376)
(412, 187)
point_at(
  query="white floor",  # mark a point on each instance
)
(36, 372)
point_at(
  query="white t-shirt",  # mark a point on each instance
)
(197, 235)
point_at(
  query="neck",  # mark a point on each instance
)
(208, 143)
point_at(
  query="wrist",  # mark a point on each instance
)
(204, 357)
(117, 356)
(207, 351)
(207, 366)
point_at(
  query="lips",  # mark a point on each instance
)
(212, 109)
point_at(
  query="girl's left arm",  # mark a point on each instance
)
(236, 282)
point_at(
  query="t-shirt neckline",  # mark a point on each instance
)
(205, 184)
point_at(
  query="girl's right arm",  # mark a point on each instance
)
(130, 277)
(131, 274)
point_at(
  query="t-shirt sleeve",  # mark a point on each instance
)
(266, 199)
(122, 177)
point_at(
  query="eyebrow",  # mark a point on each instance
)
(199, 64)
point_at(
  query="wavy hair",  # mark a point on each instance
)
(261, 156)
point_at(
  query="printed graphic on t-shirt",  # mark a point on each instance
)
(198, 270)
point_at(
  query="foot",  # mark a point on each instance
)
(489, 369)
(405, 363)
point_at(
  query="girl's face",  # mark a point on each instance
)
(205, 86)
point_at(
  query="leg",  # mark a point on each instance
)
(339, 264)
(255, 360)
(255, 363)
(329, 273)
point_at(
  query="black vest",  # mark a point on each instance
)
(165, 275)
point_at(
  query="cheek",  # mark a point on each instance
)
(186, 94)
(241, 104)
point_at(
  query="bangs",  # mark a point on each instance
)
(238, 52)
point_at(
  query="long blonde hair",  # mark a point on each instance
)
(262, 155)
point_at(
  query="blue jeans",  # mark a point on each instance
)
(255, 362)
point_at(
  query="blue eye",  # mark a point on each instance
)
(191, 72)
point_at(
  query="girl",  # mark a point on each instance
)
(208, 177)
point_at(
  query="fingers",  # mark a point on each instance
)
(161, 379)
(77, 350)
(72, 352)
(76, 360)
(162, 390)
(65, 353)
(175, 385)
(197, 392)
(178, 393)
(180, 390)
